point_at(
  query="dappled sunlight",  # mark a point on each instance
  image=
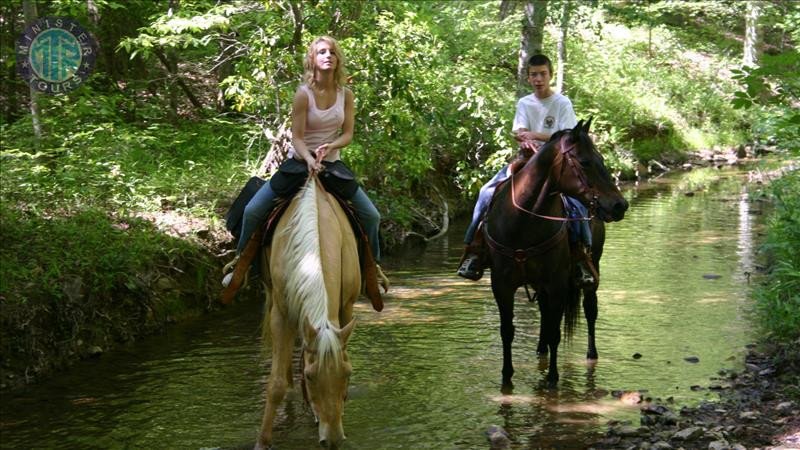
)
(710, 300)
(511, 399)
(598, 408)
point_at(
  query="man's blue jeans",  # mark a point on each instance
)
(577, 229)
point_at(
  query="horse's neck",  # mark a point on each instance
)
(535, 190)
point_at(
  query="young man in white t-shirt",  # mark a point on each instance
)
(539, 115)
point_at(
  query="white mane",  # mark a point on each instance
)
(305, 295)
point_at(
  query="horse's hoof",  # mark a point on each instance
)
(507, 388)
(591, 356)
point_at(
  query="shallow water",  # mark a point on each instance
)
(427, 368)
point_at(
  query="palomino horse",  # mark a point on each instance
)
(313, 265)
(526, 232)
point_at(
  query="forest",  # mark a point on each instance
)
(113, 195)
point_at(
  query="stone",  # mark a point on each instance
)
(628, 431)
(784, 408)
(498, 437)
(661, 445)
(748, 415)
(692, 359)
(688, 434)
(94, 351)
(719, 445)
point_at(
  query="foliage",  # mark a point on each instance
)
(434, 95)
(635, 81)
(778, 297)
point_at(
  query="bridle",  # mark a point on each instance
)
(568, 154)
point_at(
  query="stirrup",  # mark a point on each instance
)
(383, 280)
(229, 267)
(585, 277)
(470, 268)
(228, 270)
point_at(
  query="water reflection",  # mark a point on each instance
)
(427, 369)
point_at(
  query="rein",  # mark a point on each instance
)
(585, 186)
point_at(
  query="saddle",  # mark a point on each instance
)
(338, 180)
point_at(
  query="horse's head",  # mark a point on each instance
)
(583, 174)
(326, 375)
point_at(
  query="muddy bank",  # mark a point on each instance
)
(44, 331)
(757, 408)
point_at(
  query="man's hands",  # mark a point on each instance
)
(528, 141)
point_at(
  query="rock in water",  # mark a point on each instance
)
(498, 438)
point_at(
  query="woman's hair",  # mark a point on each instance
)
(339, 73)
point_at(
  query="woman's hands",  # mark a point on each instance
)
(313, 162)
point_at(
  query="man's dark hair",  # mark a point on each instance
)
(540, 60)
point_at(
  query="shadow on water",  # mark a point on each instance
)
(427, 369)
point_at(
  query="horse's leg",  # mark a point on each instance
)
(590, 312)
(552, 330)
(541, 347)
(282, 347)
(590, 307)
(504, 297)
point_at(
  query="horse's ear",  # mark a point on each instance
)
(344, 333)
(588, 124)
(577, 129)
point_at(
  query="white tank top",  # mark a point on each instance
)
(322, 126)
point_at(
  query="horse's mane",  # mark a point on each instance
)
(305, 292)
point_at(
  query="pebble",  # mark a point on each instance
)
(688, 434)
(719, 445)
(784, 407)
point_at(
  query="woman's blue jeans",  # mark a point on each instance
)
(259, 207)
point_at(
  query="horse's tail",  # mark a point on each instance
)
(571, 310)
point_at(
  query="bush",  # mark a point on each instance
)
(778, 298)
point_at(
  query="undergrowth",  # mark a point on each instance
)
(778, 297)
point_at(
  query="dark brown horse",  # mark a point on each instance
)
(526, 231)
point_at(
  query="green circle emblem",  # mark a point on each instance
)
(55, 54)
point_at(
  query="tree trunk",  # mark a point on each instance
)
(94, 11)
(29, 11)
(562, 47)
(9, 85)
(297, 20)
(531, 41)
(752, 37)
(170, 62)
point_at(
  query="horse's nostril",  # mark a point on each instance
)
(323, 443)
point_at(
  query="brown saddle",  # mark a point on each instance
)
(263, 238)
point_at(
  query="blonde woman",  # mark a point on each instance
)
(322, 124)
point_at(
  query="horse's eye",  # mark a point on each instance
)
(586, 163)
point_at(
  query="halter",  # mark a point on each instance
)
(567, 152)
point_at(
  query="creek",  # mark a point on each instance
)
(674, 285)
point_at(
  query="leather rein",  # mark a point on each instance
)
(569, 156)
